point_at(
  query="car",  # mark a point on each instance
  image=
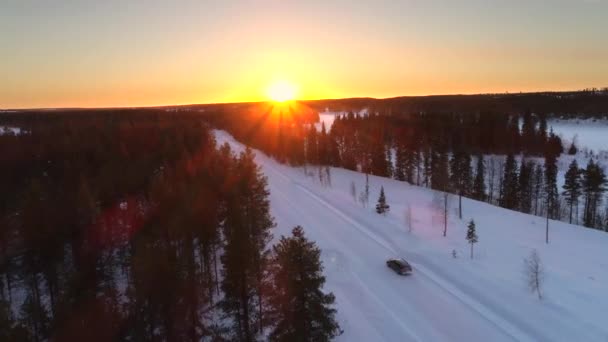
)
(400, 266)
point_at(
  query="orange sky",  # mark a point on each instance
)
(94, 54)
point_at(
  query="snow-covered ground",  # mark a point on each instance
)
(446, 298)
(8, 129)
(326, 118)
(588, 133)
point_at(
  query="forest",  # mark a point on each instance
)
(135, 225)
(507, 159)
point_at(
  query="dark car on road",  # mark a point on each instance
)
(400, 266)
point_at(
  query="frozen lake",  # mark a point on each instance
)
(590, 134)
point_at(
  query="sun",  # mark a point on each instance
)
(281, 91)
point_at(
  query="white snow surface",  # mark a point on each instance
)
(10, 130)
(446, 298)
(326, 118)
(587, 133)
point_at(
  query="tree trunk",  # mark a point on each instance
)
(460, 205)
(445, 214)
(471, 251)
(547, 228)
(217, 281)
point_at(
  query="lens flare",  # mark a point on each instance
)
(282, 91)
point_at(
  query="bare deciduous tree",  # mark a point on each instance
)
(407, 218)
(353, 191)
(535, 273)
(441, 204)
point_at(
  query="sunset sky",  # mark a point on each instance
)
(109, 53)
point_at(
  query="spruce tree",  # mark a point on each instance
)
(472, 235)
(247, 226)
(508, 191)
(572, 186)
(537, 188)
(460, 178)
(525, 186)
(312, 147)
(300, 309)
(551, 185)
(400, 161)
(440, 175)
(594, 186)
(479, 184)
(382, 207)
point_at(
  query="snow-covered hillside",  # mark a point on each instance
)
(446, 298)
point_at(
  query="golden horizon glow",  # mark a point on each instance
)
(59, 54)
(281, 91)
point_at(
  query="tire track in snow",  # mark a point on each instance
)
(504, 325)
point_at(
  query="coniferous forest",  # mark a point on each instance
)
(494, 148)
(134, 225)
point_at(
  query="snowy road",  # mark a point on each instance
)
(375, 304)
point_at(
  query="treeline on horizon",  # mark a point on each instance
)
(134, 225)
(587, 103)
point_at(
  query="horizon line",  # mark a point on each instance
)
(601, 89)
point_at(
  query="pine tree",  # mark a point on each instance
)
(551, 185)
(247, 231)
(528, 133)
(508, 191)
(525, 186)
(427, 168)
(460, 178)
(411, 165)
(537, 187)
(479, 184)
(301, 311)
(382, 207)
(440, 175)
(312, 147)
(472, 235)
(572, 150)
(572, 186)
(323, 146)
(400, 161)
(594, 186)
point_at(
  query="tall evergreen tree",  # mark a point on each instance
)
(440, 175)
(479, 183)
(382, 207)
(537, 185)
(572, 187)
(471, 235)
(528, 133)
(460, 177)
(312, 147)
(525, 186)
(427, 168)
(400, 161)
(551, 192)
(247, 231)
(411, 165)
(508, 191)
(300, 309)
(323, 146)
(594, 186)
